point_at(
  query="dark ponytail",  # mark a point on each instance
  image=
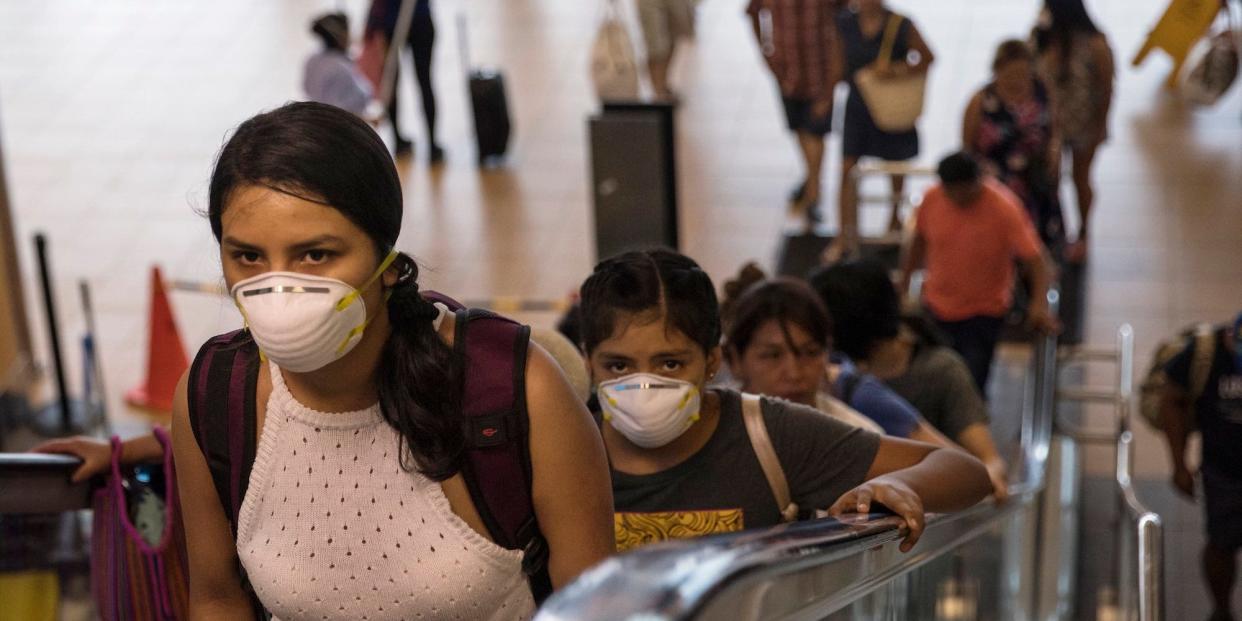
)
(419, 381)
(327, 155)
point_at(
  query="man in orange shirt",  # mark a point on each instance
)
(969, 231)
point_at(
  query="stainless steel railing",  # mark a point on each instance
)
(1139, 560)
(32, 483)
(812, 570)
(1142, 548)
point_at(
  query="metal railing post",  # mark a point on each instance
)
(1146, 540)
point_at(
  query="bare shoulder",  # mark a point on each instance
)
(547, 389)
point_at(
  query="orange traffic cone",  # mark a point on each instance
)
(166, 358)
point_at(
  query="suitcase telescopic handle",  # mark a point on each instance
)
(463, 42)
(388, 81)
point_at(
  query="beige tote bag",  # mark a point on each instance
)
(895, 103)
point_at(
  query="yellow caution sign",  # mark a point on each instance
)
(1183, 23)
(29, 596)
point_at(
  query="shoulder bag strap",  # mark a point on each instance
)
(889, 40)
(752, 413)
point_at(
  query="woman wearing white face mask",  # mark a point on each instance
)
(348, 491)
(682, 461)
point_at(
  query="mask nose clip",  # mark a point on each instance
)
(303, 322)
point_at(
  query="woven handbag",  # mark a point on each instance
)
(131, 578)
(895, 103)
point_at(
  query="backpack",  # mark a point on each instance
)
(496, 465)
(1201, 338)
(849, 384)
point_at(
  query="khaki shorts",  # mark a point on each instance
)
(664, 22)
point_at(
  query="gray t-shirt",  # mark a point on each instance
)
(940, 386)
(722, 488)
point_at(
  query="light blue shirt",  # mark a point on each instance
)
(330, 77)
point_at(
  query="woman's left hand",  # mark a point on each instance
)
(893, 494)
(96, 455)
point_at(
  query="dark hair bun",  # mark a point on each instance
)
(750, 275)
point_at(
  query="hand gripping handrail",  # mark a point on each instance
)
(35, 483)
(737, 572)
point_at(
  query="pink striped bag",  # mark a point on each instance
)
(131, 579)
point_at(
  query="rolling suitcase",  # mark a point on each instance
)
(488, 102)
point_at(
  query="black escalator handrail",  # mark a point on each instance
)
(36, 483)
(676, 580)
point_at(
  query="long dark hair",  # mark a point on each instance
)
(659, 282)
(323, 154)
(862, 302)
(1067, 18)
(789, 301)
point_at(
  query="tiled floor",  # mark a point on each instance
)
(111, 112)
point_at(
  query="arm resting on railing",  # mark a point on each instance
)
(977, 440)
(96, 454)
(910, 478)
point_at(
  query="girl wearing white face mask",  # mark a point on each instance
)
(356, 505)
(682, 461)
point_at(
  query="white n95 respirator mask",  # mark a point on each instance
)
(302, 322)
(649, 410)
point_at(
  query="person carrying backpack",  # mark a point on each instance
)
(688, 460)
(1214, 409)
(374, 452)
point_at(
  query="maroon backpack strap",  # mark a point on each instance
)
(436, 296)
(223, 382)
(497, 465)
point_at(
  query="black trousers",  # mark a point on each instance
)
(421, 40)
(975, 339)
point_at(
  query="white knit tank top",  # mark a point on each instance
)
(333, 528)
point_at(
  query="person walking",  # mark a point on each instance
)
(797, 39)
(421, 40)
(863, 30)
(968, 231)
(665, 24)
(1213, 409)
(1010, 124)
(1076, 63)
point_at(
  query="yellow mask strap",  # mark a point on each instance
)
(349, 299)
(246, 325)
(352, 333)
(360, 328)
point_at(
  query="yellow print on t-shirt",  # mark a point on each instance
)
(639, 529)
